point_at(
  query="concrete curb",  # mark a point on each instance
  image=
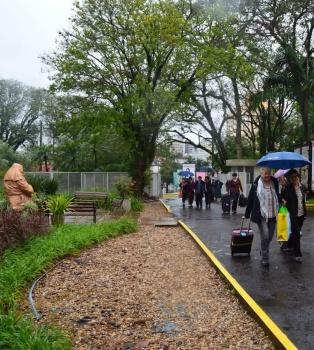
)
(279, 337)
(166, 206)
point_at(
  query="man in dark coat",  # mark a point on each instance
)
(234, 187)
(190, 188)
(199, 188)
(208, 191)
(217, 185)
(262, 207)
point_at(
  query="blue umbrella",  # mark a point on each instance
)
(283, 160)
(185, 173)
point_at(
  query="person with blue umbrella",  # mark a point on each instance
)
(283, 160)
(262, 208)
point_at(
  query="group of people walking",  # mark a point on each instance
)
(264, 200)
(209, 188)
(266, 195)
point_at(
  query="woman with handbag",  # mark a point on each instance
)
(293, 196)
(262, 207)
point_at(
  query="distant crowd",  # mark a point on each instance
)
(210, 189)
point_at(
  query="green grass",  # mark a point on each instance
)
(310, 201)
(19, 333)
(19, 267)
(136, 204)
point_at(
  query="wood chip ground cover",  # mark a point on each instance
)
(150, 290)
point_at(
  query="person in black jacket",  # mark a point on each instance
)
(184, 188)
(294, 198)
(208, 191)
(262, 207)
(217, 185)
(199, 188)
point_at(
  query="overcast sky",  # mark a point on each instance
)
(28, 29)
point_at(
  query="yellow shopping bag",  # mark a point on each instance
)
(283, 224)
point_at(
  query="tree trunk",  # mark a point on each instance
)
(46, 162)
(141, 160)
(270, 136)
(238, 118)
(262, 134)
(304, 102)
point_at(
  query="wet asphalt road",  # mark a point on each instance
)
(285, 290)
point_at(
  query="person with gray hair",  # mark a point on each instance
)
(262, 207)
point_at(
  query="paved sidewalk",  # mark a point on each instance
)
(285, 290)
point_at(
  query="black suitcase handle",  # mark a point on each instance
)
(243, 218)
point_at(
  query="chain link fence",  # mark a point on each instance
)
(69, 182)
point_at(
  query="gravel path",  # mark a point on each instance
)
(150, 290)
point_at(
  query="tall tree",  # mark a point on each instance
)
(125, 55)
(20, 110)
(217, 87)
(267, 115)
(286, 27)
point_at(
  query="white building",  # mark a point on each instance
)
(185, 150)
(178, 148)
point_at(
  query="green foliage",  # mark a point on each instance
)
(147, 56)
(30, 207)
(7, 156)
(111, 196)
(137, 204)
(50, 186)
(21, 107)
(41, 200)
(36, 182)
(20, 333)
(123, 188)
(42, 184)
(58, 204)
(4, 204)
(20, 266)
(169, 162)
(86, 139)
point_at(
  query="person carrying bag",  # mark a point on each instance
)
(283, 225)
(294, 197)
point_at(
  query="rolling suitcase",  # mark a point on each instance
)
(226, 203)
(241, 239)
(242, 200)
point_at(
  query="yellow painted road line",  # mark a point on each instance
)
(170, 195)
(166, 206)
(277, 333)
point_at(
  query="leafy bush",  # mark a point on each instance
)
(37, 182)
(4, 204)
(29, 208)
(109, 200)
(58, 204)
(41, 184)
(50, 186)
(41, 200)
(136, 204)
(16, 227)
(123, 188)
